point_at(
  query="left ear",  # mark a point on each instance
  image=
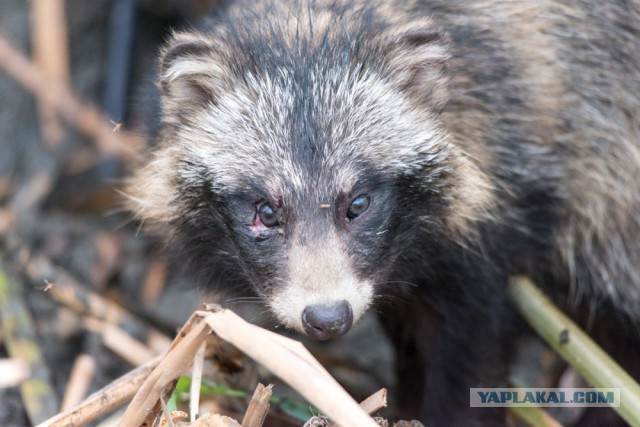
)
(193, 71)
(417, 57)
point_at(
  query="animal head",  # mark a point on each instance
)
(303, 151)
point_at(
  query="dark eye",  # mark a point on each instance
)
(358, 206)
(267, 215)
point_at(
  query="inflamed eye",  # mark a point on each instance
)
(358, 206)
(267, 215)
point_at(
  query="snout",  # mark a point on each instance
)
(327, 321)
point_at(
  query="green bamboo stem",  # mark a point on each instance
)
(534, 416)
(575, 346)
(37, 393)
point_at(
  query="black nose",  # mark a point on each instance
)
(326, 321)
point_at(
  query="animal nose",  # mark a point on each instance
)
(326, 321)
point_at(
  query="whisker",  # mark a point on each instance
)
(245, 299)
(394, 301)
(396, 282)
(263, 318)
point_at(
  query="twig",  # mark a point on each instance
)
(215, 420)
(120, 342)
(19, 333)
(174, 363)
(371, 404)
(375, 402)
(575, 346)
(111, 421)
(105, 400)
(82, 373)
(165, 412)
(290, 360)
(286, 358)
(76, 297)
(154, 282)
(196, 381)
(258, 407)
(34, 192)
(85, 117)
(64, 288)
(51, 55)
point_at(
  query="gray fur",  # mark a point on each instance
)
(504, 138)
(569, 73)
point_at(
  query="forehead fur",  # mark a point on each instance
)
(271, 128)
(304, 94)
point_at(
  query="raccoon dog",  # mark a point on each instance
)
(332, 156)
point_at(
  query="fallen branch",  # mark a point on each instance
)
(575, 346)
(290, 360)
(286, 358)
(105, 400)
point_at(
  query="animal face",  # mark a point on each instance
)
(312, 182)
(301, 160)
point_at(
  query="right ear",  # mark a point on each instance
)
(193, 69)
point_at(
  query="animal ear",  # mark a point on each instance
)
(418, 58)
(193, 70)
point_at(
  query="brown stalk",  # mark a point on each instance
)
(83, 116)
